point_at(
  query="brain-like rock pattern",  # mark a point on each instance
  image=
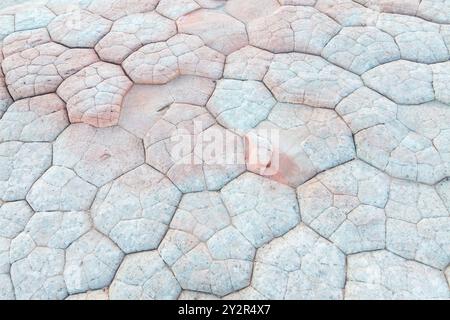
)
(97, 155)
(205, 250)
(195, 153)
(94, 95)
(135, 210)
(161, 62)
(307, 79)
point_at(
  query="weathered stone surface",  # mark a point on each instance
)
(307, 79)
(161, 62)
(97, 156)
(132, 32)
(204, 249)
(402, 81)
(23, 40)
(117, 9)
(248, 63)
(240, 105)
(94, 95)
(61, 189)
(32, 16)
(251, 9)
(383, 275)
(261, 209)
(392, 6)
(135, 210)
(144, 276)
(38, 119)
(434, 10)
(345, 205)
(41, 69)
(218, 30)
(348, 13)
(21, 164)
(6, 288)
(441, 81)
(359, 49)
(174, 9)
(7, 22)
(297, 142)
(301, 29)
(91, 263)
(412, 146)
(192, 151)
(79, 28)
(90, 295)
(299, 265)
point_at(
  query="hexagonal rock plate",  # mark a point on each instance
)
(297, 142)
(41, 69)
(97, 155)
(61, 189)
(291, 28)
(345, 205)
(261, 209)
(383, 275)
(116, 9)
(194, 153)
(91, 262)
(412, 146)
(38, 119)
(205, 251)
(21, 164)
(248, 63)
(359, 49)
(310, 80)
(135, 210)
(132, 32)
(161, 62)
(94, 95)
(299, 265)
(348, 13)
(22, 40)
(144, 276)
(240, 105)
(218, 30)
(79, 29)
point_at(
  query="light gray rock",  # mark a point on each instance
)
(248, 63)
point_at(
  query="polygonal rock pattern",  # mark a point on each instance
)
(307, 79)
(132, 32)
(135, 209)
(296, 142)
(161, 62)
(38, 119)
(194, 153)
(345, 205)
(299, 265)
(206, 251)
(360, 49)
(94, 95)
(293, 28)
(240, 105)
(97, 155)
(91, 263)
(383, 275)
(41, 69)
(61, 189)
(402, 81)
(79, 29)
(269, 210)
(224, 149)
(219, 31)
(21, 165)
(413, 145)
(144, 276)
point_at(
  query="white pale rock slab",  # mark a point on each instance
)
(144, 276)
(102, 294)
(136, 209)
(300, 265)
(347, 13)
(251, 9)
(248, 63)
(218, 30)
(435, 10)
(38, 119)
(174, 9)
(61, 189)
(98, 156)
(91, 263)
(94, 95)
(381, 275)
(261, 209)
(311, 80)
(116, 9)
(79, 28)
(441, 81)
(23, 40)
